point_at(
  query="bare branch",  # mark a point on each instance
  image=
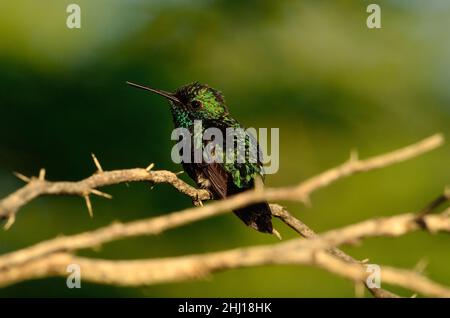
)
(354, 165)
(46, 258)
(389, 226)
(306, 232)
(37, 187)
(154, 271)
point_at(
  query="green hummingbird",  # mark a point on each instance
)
(200, 102)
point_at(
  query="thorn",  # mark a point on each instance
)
(22, 177)
(179, 172)
(421, 266)
(306, 200)
(150, 167)
(413, 296)
(101, 194)
(89, 205)
(97, 163)
(365, 261)
(354, 157)
(277, 234)
(10, 222)
(42, 174)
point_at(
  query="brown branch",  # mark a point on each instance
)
(150, 226)
(39, 186)
(10, 263)
(389, 226)
(306, 232)
(392, 226)
(164, 270)
(354, 165)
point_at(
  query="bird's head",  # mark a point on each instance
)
(193, 101)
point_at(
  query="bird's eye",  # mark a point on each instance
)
(196, 104)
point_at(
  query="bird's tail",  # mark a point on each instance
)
(257, 216)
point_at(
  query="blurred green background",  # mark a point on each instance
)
(311, 68)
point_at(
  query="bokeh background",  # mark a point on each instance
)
(311, 68)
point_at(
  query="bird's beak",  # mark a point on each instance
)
(165, 94)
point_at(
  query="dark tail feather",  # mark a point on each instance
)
(257, 216)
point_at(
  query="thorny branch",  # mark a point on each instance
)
(39, 186)
(47, 258)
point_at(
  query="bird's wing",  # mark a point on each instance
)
(245, 153)
(218, 179)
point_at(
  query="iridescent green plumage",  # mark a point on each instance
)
(198, 102)
(214, 113)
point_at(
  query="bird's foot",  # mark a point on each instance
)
(197, 202)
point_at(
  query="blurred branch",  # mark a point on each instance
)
(46, 258)
(172, 269)
(39, 260)
(354, 165)
(306, 232)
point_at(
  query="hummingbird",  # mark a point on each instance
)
(200, 102)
